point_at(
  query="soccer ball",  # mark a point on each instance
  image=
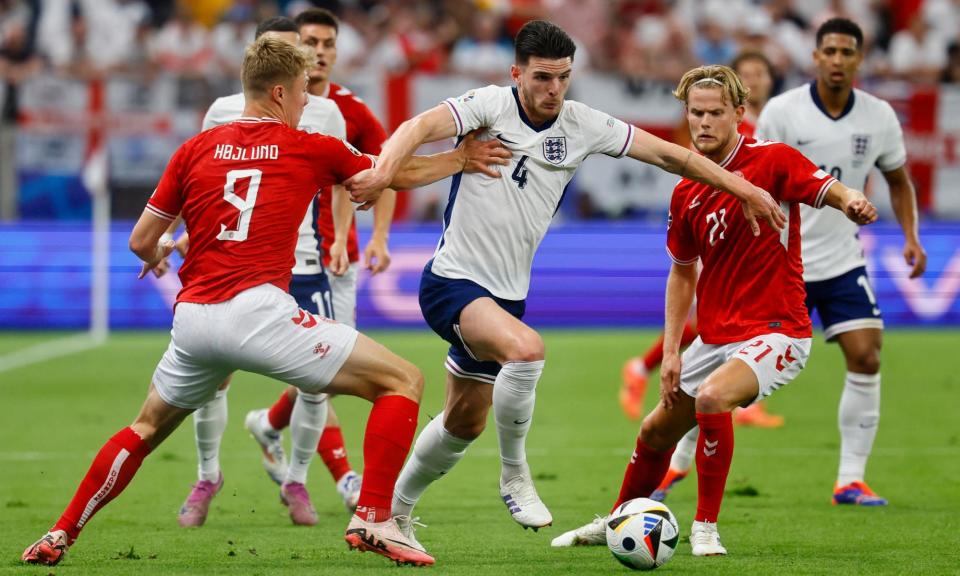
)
(642, 534)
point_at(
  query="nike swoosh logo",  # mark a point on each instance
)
(694, 204)
(501, 138)
(803, 142)
(518, 422)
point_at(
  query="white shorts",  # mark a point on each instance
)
(259, 330)
(344, 289)
(775, 359)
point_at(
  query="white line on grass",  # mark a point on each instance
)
(49, 350)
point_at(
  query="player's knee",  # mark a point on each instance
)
(866, 361)
(711, 399)
(465, 429)
(526, 346)
(654, 435)
(408, 381)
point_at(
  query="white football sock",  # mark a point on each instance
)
(435, 453)
(683, 455)
(209, 422)
(306, 425)
(859, 415)
(514, 395)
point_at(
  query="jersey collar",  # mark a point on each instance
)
(819, 103)
(526, 120)
(252, 119)
(733, 153)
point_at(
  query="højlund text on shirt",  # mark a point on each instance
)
(231, 152)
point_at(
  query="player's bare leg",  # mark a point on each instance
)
(658, 435)
(491, 333)
(441, 444)
(112, 469)
(636, 371)
(209, 423)
(394, 385)
(859, 415)
(729, 386)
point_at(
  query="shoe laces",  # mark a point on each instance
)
(706, 534)
(408, 525)
(522, 490)
(296, 491)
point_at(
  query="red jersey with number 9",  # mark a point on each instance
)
(242, 189)
(748, 285)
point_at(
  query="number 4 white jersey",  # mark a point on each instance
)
(493, 226)
(866, 134)
(320, 116)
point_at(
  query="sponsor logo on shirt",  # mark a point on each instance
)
(468, 96)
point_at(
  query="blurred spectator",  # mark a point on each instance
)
(951, 72)
(944, 17)
(416, 40)
(790, 31)
(231, 36)
(484, 53)
(918, 53)
(182, 46)
(713, 43)
(756, 35)
(18, 61)
(655, 48)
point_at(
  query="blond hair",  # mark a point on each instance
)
(268, 62)
(714, 76)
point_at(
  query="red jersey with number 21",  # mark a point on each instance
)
(748, 285)
(242, 189)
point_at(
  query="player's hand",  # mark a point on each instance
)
(481, 155)
(161, 268)
(670, 379)
(163, 250)
(376, 256)
(762, 206)
(861, 211)
(182, 244)
(914, 255)
(366, 186)
(339, 261)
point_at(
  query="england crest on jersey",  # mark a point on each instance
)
(555, 149)
(860, 145)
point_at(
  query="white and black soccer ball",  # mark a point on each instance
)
(642, 534)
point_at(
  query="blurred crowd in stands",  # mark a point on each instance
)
(643, 40)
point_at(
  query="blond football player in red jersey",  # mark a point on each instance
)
(754, 328)
(242, 189)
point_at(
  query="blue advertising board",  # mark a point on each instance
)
(585, 275)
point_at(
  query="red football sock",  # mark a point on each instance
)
(714, 454)
(644, 472)
(279, 413)
(390, 430)
(111, 471)
(333, 452)
(654, 355)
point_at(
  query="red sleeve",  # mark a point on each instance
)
(681, 244)
(337, 160)
(370, 133)
(167, 201)
(804, 182)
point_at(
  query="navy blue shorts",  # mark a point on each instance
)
(312, 293)
(441, 300)
(844, 303)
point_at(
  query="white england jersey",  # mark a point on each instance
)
(866, 134)
(320, 116)
(493, 226)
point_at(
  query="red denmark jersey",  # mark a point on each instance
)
(242, 189)
(747, 126)
(748, 285)
(367, 135)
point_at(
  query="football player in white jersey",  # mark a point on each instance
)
(847, 132)
(472, 292)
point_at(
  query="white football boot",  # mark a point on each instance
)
(593, 533)
(705, 540)
(523, 502)
(407, 527)
(271, 445)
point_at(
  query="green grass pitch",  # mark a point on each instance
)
(56, 415)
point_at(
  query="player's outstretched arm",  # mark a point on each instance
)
(342, 211)
(145, 241)
(471, 155)
(851, 202)
(681, 286)
(757, 203)
(376, 254)
(903, 199)
(430, 126)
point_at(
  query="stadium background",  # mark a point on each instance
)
(95, 96)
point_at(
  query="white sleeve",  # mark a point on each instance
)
(607, 135)
(477, 108)
(893, 154)
(220, 112)
(767, 125)
(336, 125)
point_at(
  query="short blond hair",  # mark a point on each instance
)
(713, 76)
(268, 62)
